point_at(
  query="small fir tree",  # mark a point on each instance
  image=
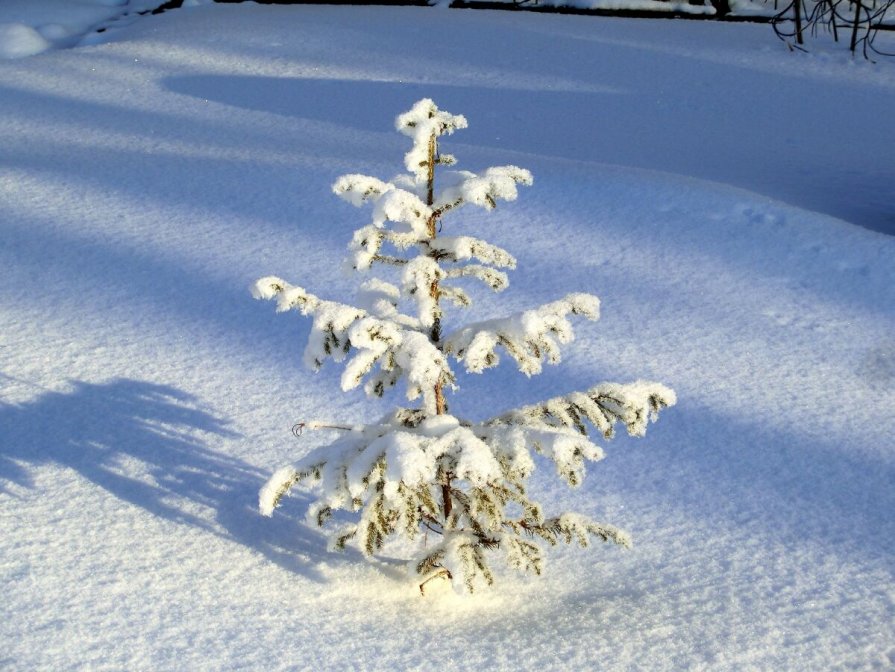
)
(421, 470)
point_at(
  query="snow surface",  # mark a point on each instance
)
(18, 40)
(715, 191)
(29, 27)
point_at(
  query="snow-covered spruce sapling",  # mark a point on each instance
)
(422, 472)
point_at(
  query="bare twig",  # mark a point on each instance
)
(299, 427)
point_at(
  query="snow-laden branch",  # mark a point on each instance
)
(422, 123)
(420, 277)
(528, 337)
(287, 296)
(467, 248)
(632, 404)
(390, 343)
(460, 557)
(496, 280)
(379, 297)
(497, 183)
(395, 474)
(407, 213)
(366, 246)
(401, 457)
(359, 189)
(331, 320)
(390, 204)
(565, 448)
(556, 428)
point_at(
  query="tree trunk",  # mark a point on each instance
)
(435, 334)
(434, 292)
(854, 31)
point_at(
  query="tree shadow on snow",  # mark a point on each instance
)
(146, 444)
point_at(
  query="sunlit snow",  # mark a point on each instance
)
(730, 202)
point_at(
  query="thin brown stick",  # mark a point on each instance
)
(435, 333)
(430, 191)
(441, 573)
(434, 291)
(446, 498)
(300, 427)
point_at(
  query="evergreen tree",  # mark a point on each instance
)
(421, 470)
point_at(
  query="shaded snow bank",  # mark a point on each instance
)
(30, 27)
(18, 40)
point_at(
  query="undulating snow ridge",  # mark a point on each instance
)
(30, 27)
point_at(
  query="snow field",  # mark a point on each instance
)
(145, 397)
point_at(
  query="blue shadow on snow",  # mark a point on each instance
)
(98, 429)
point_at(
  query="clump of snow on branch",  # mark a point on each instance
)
(423, 470)
(423, 122)
(484, 190)
(338, 329)
(465, 248)
(604, 405)
(529, 337)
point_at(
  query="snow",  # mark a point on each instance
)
(464, 248)
(636, 5)
(29, 27)
(419, 123)
(528, 337)
(496, 183)
(18, 40)
(275, 488)
(726, 200)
